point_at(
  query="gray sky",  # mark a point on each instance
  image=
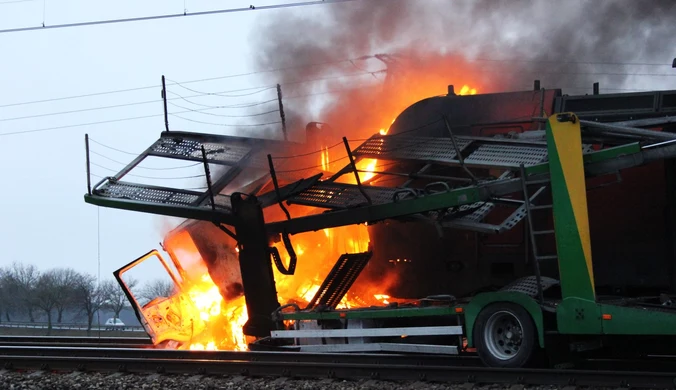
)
(44, 220)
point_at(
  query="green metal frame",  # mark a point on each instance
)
(578, 312)
(569, 195)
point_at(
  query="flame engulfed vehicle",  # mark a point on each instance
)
(430, 210)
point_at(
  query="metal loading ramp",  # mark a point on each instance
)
(475, 151)
(231, 155)
(462, 200)
(339, 280)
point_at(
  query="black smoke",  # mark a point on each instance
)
(565, 44)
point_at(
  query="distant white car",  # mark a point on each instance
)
(114, 324)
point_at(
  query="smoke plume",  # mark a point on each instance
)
(442, 42)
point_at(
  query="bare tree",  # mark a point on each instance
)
(156, 288)
(45, 295)
(7, 295)
(65, 280)
(88, 297)
(114, 297)
(24, 278)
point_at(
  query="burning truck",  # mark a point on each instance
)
(466, 226)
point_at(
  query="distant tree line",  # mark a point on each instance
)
(26, 291)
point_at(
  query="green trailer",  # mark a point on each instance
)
(510, 327)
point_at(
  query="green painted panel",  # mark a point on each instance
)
(537, 169)
(638, 321)
(578, 316)
(371, 313)
(576, 278)
(482, 300)
(593, 157)
(610, 153)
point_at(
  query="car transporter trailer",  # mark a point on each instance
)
(507, 328)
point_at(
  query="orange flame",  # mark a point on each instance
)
(466, 90)
(316, 252)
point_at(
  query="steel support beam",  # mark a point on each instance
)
(258, 279)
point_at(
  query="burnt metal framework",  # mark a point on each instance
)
(460, 200)
(339, 280)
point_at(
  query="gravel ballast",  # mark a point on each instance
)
(13, 380)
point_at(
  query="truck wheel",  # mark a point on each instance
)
(505, 336)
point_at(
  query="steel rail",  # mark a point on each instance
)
(74, 341)
(345, 370)
(221, 356)
(48, 344)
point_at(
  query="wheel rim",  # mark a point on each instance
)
(503, 334)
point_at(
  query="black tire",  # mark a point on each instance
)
(505, 336)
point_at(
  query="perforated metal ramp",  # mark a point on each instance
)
(343, 196)
(144, 193)
(161, 195)
(339, 280)
(506, 156)
(476, 151)
(410, 148)
(223, 150)
(233, 154)
(191, 149)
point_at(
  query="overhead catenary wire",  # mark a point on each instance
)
(223, 94)
(283, 84)
(169, 16)
(157, 115)
(142, 167)
(244, 105)
(185, 98)
(264, 88)
(307, 65)
(112, 148)
(149, 177)
(16, 1)
(226, 124)
(80, 124)
(562, 62)
(224, 115)
(308, 153)
(188, 188)
(78, 111)
(99, 123)
(178, 96)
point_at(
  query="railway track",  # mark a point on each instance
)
(319, 366)
(49, 341)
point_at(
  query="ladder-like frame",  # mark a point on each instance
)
(528, 199)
